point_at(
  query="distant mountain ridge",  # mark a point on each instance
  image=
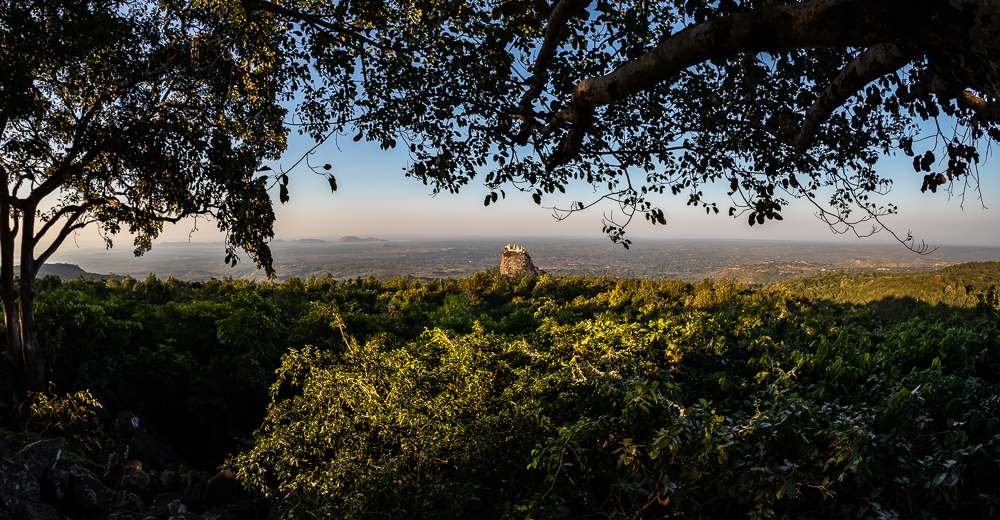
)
(355, 240)
(68, 272)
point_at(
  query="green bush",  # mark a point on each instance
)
(746, 404)
(408, 432)
(543, 397)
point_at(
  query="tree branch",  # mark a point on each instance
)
(988, 110)
(540, 72)
(55, 217)
(67, 169)
(807, 25)
(945, 88)
(70, 226)
(870, 65)
(311, 19)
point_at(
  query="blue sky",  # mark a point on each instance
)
(375, 199)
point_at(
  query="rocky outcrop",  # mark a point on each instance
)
(517, 261)
(142, 445)
(43, 481)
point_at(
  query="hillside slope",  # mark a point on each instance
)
(68, 272)
(962, 285)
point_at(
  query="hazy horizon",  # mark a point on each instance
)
(376, 199)
(425, 257)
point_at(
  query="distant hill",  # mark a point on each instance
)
(771, 271)
(308, 241)
(67, 272)
(355, 240)
(962, 285)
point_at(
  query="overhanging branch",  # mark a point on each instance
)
(986, 110)
(870, 65)
(807, 25)
(311, 19)
(540, 72)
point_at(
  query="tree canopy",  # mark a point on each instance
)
(778, 100)
(127, 114)
(130, 113)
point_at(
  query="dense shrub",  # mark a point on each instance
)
(744, 403)
(542, 397)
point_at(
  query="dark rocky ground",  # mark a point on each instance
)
(128, 475)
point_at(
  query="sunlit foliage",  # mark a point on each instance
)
(725, 402)
(543, 397)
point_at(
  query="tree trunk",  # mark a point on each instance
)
(31, 352)
(12, 332)
(21, 334)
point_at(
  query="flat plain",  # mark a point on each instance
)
(459, 257)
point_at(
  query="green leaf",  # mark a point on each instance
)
(333, 183)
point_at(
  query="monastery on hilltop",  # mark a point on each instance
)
(516, 260)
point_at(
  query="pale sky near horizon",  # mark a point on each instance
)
(375, 199)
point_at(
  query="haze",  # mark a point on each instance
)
(376, 199)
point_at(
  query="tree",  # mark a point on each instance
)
(777, 99)
(127, 115)
(131, 114)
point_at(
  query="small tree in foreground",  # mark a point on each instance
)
(127, 115)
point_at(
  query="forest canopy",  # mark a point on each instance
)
(500, 397)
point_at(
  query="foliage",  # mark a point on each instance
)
(77, 417)
(640, 99)
(537, 397)
(423, 414)
(731, 402)
(79, 117)
(73, 415)
(128, 114)
(898, 295)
